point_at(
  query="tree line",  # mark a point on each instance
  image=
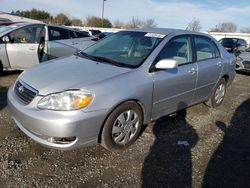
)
(93, 21)
(226, 27)
(90, 21)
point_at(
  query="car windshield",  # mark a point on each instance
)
(125, 48)
(7, 28)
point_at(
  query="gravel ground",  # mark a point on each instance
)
(197, 147)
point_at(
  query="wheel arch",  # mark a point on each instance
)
(225, 77)
(136, 101)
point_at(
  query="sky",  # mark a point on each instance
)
(166, 13)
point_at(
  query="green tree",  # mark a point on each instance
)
(93, 21)
(62, 19)
(76, 22)
(33, 14)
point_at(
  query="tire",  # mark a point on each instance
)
(122, 127)
(218, 94)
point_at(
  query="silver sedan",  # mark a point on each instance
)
(105, 93)
(25, 44)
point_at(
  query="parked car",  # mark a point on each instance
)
(103, 35)
(243, 61)
(84, 32)
(94, 32)
(5, 20)
(79, 30)
(2, 24)
(24, 44)
(106, 92)
(234, 45)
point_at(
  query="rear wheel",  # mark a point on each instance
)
(122, 127)
(218, 94)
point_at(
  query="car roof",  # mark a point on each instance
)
(232, 38)
(166, 31)
(26, 24)
(9, 22)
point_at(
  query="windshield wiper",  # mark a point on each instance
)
(85, 55)
(113, 62)
(101, 59)
(107, 60)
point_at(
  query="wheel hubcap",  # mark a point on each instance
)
(125, 127)
(219, 93)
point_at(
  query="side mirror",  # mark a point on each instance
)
(6, 39)
(166, 64)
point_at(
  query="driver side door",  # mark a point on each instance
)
(174, 88)
(22, 50)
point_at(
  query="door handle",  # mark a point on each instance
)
(32, 48)
(219, 64)
(192, 71)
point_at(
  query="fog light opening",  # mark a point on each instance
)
(62, 140)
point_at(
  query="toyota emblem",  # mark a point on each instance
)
(21, 89)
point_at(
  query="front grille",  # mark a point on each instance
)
(24, 92)
(246, 64)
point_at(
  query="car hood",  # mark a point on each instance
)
(245, 56)
(68, 73)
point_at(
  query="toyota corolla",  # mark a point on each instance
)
(105, 93)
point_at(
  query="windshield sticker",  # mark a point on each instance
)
(155, 35)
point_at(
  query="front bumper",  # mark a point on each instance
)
(45, 125)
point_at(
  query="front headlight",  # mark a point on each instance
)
(67, 100)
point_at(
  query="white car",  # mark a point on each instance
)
(24, 44)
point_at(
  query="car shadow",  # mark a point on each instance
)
(169, 162)
(230, 163)
(247, 73)
(8, 73)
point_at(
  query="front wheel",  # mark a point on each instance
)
(218, 94)
(122, 127)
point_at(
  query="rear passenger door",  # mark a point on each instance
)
(209, 64)
(174, 88)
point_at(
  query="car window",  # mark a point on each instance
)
(228, 42)
(28, 34)
(178, 49)
(82, 34)
(243, 42)
(205, 48)
(72, 34)
(95, 32)
(56, 33)
(7, 28)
